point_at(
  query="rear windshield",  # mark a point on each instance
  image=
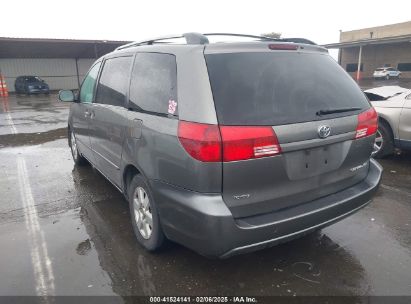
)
(379, 69)
(280, 88)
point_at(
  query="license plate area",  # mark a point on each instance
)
(306, 163)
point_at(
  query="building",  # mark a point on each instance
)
(62, 63)
(364, 50)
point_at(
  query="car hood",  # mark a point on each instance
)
(387, 91)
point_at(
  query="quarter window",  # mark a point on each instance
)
(153, 85)
(87, 88)
(113, 81)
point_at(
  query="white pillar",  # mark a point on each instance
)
(359, 64)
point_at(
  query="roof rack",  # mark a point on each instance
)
(191, 38)
(197, 38)
(264, 38)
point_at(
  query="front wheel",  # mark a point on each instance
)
(387, 77)
(77, 157)
(144, 214)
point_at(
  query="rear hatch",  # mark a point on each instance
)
(301, 112)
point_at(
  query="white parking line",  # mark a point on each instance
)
(12, 126)
(6, 110)
(42, 267)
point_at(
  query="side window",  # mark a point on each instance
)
(87, 88)
(113, 83)
(153, 85)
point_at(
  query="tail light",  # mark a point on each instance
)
(201, 141)
(240, 143)
(367, 123)
(284, 47)
(204, 142)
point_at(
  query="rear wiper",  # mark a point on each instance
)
(333, 111)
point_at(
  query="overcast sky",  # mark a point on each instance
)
(319, 21)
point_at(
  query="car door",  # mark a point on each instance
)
(109, 116)
(81, 112)
(392, 72)
(405, 124)
(152, 144)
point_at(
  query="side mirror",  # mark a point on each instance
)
(67, 96)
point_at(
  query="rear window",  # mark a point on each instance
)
(279, 88)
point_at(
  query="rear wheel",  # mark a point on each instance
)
(384, 142)
(387, 77)
(144, 214)
(77, 157)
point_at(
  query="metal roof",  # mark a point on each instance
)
(55, 48)
(386, 40)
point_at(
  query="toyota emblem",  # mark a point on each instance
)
(324, 131)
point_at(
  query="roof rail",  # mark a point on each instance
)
(191, 38)
(244, 35)
(197, 38)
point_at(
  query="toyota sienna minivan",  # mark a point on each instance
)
(227, 147)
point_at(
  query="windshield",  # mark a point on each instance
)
(280, 88)
(32, 79)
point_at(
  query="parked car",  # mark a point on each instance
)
(393, 105)
(386, 73)
(215, 149)
(31, 85)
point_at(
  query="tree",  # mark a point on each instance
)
(272, 35)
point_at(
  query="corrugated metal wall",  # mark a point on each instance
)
(58, 73)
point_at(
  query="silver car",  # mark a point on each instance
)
(393, 105)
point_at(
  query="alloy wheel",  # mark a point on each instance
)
(142, 212)
(73, 143)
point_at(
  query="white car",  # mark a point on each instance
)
(386, 73)
(393, 105)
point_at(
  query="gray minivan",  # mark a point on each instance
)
(226, 147)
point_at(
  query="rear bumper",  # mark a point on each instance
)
(203, 222)
(38, 91)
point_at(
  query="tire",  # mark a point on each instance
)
(387, 144)
(387, 77)
(148, 232)
(78, 159)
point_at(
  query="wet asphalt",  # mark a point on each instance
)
(65, 230)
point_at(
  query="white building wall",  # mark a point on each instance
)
(58, 73)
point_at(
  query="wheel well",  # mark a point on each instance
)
(387, 124)
(129, 172)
